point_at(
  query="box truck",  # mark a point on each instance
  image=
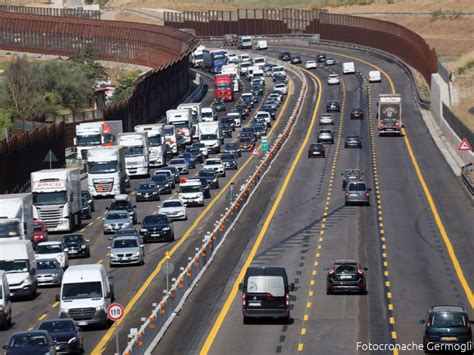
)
(136, 152)
(182, 120)
(209, 135)
(93, 134)
(156, 142)
(16, 216)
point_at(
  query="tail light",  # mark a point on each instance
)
(269, 295)
(360, 272)
(347, 194)
(331, 272)
(367, 194)
(287, 300)
(243, 300)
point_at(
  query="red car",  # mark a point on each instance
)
(40, 233)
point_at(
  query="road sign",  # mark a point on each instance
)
(51, 158)
(464, 145)
(264, 144)
(115, 311)
(255, 151)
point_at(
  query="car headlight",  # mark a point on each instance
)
(107, 226)
(98, 309)
(166, 228)
(126, 225)
(137, 254)
(63, 310)
(60, 257)
(143, 230)
(83, 246)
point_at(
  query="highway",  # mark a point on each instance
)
(418, 212)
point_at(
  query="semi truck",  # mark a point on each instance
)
(57, 198)
(210, 136)
(170, 138)
(196, 116)
(233, 70)
(16, 216)
(389, 114)
(223, 87)
(197, 57)
(244, 42)
(136, 152)
(156, 142)
(93, 134)
(106, 174)
(182, 120)
(213, 60)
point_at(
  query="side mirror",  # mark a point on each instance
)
(472, 321)
(103, 218)
(6, 346)
(109, 247)
(57, 298)
(142, 246)
(369, 189)
(366, 268)
(75, 143)
(421, 321)
(106, 208)
(66, 250)
(241, 287)
(134, 206)
(292, 287)
(107, 294)
(110, 277)
(88, 240)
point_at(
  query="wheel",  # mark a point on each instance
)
(4, 324)
(142, 262)
(93, 207)
(287, 319)
(246, 320)
(328, 291)
(88, 254)
(224, 175)
(171, 239)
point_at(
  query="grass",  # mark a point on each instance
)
(466, 68)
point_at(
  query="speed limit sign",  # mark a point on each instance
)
(115, 311)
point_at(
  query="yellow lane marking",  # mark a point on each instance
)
(100, 261)
(55, 304)
(43, 316)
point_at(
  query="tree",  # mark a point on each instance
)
(125, 85)
(92, 66)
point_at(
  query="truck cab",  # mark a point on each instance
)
(209, 135)
(182, 120)
(156, 142)
(16, 216)
(223, 86)
(245, 42)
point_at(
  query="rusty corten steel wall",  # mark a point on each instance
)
(73, 12)
(383, 35)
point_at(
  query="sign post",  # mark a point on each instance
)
(115, 312)
(51, 158)
(264, 144)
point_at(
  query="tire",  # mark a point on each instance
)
(4, 324)
(246, 320)
(328, 291)
(287, 319)
(93, 207)
(88, 255)
(171, 239)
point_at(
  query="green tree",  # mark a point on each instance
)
(125, 85)
(92, 66)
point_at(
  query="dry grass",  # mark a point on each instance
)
(462, 111)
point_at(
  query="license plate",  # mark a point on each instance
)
(255, 304)
(155, 235)
(146, 195)
(317, 153)
(449, 338)
(346, 277)
(353, 195)
(72, 251)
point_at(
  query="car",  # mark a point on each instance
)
(67, 335)
(270, 109)
(280, 78)
(208, 114)
(232, 148)
(163, 183)
(351, 175)
(202, 147)
(211, 176)
(296, 60)
(281, 88)
(333, 106)
(310, 64)
(247, 143)
(40, 232)
(447, 326)
(326, 136)
(247, 131)
(117, 219)
(157, 227)
(191, 193)
(241, 112)
(216, 165)
(276, 95)
(31, 342)
(357, 114)
(285, 56)
(196, 153)
(248, 99)
(357, 193)
(189, 159)
(147, 191)
(52, 250)
(333, 79)
(180, 164)
(326, 119)
(169, 174)
(265, 116)
(260, 129)
(225, 129)
(205, 185)
(346, 276)
(257, 90)
(49, 272)
(218, 105)
(266, 293)
(90, 199)
(237, 117)
(174, 173)
(321, 58)
(86, 211)
(330, 61)
(261, 120)
(229, 161)
(316, 150)
(77, 245)
(353, 140)
(126, 250)
(258, 81)
(123, 202)
(228, 120)
(272, 103)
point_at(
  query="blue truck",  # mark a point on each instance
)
(214, 60)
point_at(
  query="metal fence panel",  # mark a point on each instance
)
(457, 125)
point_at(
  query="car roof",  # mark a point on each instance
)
(118, 211)
(174, 199)
(447, 309)
(128, 236)
(266, 270)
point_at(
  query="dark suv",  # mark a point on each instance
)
(447, 328)
(357, 114)
(333, 106)
(346, 276)
(285, 56)
(266, 293)
(157, 227)
(124, 205)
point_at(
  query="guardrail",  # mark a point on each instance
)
(155, 325)
(467, 177)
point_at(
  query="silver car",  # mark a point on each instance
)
(351, 175)
(117, 219)
(49, 272)
(357, 193)
(179, 164)
(126, 250)
(174, 209)
(326, 136)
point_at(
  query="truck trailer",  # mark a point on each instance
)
(389, 114)
(16, 216)
(136, 152)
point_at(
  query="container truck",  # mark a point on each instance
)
(223, 87)
(210, 136)
(136, 152)
(93, 134)
(16, 216)
(389, 114)
(197, 57)
(170, 138)
(244, 42)
(57, 199)
(106, 174)
(182, 120)
(213, 60)
(196, 116)
(233, 70)
(156, 142)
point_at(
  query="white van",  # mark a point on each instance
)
(259, 61)
(191, 192)
(348, 68)
(86, 292)
(5, 302)
(374, 76)
(261, 44)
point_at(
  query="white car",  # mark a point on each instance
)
(282, 88)
(310, 64)
(265, 115)
(276, 95)
(326, 119)
(52, 250)
(174, 209)
(333, 79)
(216, 165)
(236, 117)
(374, 76)
(232, 58)
(208, 114)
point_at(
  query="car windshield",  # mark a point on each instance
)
(227, 157)
(124, 243)
(81, 290)
(28, 340)
(147, 186)
(212, 162)
(448, 320)
(73, 238)
(357, 187)
(208, 137)
(177, 162)
(49, 198)
(352, 173)
(120, 205)
(48, 249)
(352, 136)
(189, 188)
(155, 219)
(159, 178)
(47, 265)
(88, 140)
(117, 215)
(10, 229)
(133, 151)
(245, 140)
(38, 228)
(207, 173)
(231, 147)
(59, 326)
(102, 167)
(14, 266)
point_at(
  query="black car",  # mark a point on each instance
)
(316, 150)
(33, 342)
(350, 175)
(321, 58)
(357, 114)
(247, 142)
(280, 78)
(346, 276)
(257, 90)
(248, 132)
(218, 105)
(77, 245)
(229, 161)
(296, 60)
(157, 227)
(260, 129)
(205, 185)
(196, 152)
(124, 205)
(66, 334)
(163, 182)
(229, 120)
(225, 129)
(232, 148)
(269, 109)
(211, 176)
(86, 210)
(353, 140)
(147, 191)
(285, 56)
(333, 106)
(447, 327)
(90, 200)
(248, 100)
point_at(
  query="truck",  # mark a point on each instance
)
(210, 136)
(93, 134)
(389, 114)
(223, 87)
(156, 142)
(16, 216)
(170, 138)
(196, 115)
(106, 174)
(232, 69)
(214, 60)
(136, 152)
(261, 44)
(244, 42)
(197, 57)
(182, 120)
(57, 198)
(230, 40)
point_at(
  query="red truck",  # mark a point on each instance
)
(224, 87)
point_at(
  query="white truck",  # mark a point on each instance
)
(182, 120)
(170, 138)
(210, 136)
(197, 57)
(93, 134)
(261, 44)
(16, 216)
(106, 175)
(233, 70)
(57, 198)
(196, 116)
(136, 152)
(208, 115)
(156, 142)
(244, 42)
